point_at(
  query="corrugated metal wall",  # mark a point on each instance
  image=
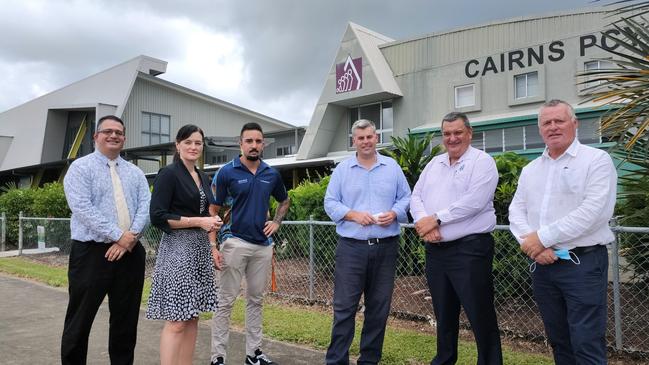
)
(459, 46)
(214, 119)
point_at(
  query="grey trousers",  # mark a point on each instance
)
(241, 258)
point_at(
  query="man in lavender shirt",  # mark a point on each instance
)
(452, 204)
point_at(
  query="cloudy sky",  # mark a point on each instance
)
(270, 56)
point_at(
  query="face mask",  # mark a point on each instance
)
(562, 254)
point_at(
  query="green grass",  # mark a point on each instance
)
(301, 325)
(51, 275)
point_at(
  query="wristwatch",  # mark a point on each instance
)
(439, 221)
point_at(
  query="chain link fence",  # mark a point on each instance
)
(3, 232)
(303, 270)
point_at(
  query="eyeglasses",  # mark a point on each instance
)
(109, 132)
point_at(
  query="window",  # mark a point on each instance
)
(494, 140)
(380, 113)
(218, 159)
(526, 85)
(508, 139)
(514, 138)
(594, 66)
(285, 150)
(588, 131)
(464, 96)
(532, 137)
(477, 140)
(155, 128)
(598, 65)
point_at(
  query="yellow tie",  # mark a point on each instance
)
(123, 217)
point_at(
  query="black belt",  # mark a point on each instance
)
(372, 241)
(471, 237)
(585, 249)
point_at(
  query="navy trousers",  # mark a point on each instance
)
(572, 302)
(460, 273)
(369, 270)
(90, 278)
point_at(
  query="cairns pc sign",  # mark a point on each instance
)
(536, 55)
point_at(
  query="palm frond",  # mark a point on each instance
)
(410, 152)
(626, 87)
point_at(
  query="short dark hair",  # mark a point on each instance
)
(110, 117)
(185, 132)
(453, 116)
(252, 126)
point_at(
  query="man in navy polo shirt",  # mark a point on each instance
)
(248, 251)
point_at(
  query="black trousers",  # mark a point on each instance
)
(90, 278)
(362, 269)
(460, 273)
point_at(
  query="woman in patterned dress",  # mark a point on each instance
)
(183, 279)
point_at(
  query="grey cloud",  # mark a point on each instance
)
(288, 46)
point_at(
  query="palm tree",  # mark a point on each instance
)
(411, 154)
(626, 89)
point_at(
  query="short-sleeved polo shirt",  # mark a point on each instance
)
(250, 197)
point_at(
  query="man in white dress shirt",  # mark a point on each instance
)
(560, 215)
(452, 204)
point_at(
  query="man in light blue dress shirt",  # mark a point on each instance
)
(367, 197)
(105, 259)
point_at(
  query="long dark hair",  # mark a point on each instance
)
(183, 133)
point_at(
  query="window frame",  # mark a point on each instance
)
(149, 134)
(379, 127)
(526, 83)
(455, 96)
(511, 86)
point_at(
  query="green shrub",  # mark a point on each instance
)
(633, 211)
(48, 201)
(509, 167)
(12, 202)
(510, 267)
(307, 200)
(412, 255)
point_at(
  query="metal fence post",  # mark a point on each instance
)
(617, 310)
(311, 260)
(20, 233)
(3, 231)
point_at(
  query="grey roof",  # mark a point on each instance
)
(22, 128)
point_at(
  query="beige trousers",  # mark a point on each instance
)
(241, 258)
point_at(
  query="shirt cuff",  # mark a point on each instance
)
(401, 215)
(417, 215)
(173, 217)
(546, 237)
(115, 235)
(444, 216)
(339, 214)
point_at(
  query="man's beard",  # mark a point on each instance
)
(252, 158)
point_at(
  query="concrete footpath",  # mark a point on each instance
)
(31, 323)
